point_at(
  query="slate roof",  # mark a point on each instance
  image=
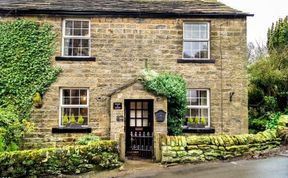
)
(152, 8)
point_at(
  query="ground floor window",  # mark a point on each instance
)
(74, 106)
(198, 108)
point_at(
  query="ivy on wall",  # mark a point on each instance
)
(25, 68)
(173, 87)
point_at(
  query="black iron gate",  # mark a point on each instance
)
(139, 128)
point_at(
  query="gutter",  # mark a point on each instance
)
(23, 12)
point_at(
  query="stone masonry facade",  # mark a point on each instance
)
(121, 47)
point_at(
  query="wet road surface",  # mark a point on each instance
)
(275, 167)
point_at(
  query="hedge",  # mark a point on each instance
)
(206, 148)
(54, 161)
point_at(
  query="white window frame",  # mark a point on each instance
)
(201, 106)
(73, 106)
(197, 40)
(75, 37)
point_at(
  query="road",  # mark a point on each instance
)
(275, 167)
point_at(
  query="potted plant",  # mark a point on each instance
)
(73, 122)
(37, 100)
(190, 122)
(80, 120)
(203, 122)
(65, 120)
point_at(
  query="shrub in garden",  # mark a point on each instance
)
(55, 161)
(88, 139)
(12, 129)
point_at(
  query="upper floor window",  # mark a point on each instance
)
(196, 41)
(76, 38)
(198, 108)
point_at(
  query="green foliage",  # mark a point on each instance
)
(72, 119)
(81, 120)
(190, 120)
(278, 35)
(273, 122)
(173, 87)
(25, 51)
(88, 139)
(65, 119)
(55, 161)
(203, 121)
(12, 129)
(197, 120)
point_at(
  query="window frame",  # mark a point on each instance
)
(73, 106)
(75, 37)
(208, 106)
(208, 40)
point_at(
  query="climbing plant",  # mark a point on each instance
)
(173, 87)
(25, 68)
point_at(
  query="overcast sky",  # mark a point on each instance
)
(265, 12)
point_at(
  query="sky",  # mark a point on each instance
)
(265, 13)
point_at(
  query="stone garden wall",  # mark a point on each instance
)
(205, 148)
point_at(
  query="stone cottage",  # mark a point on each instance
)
(102, 47)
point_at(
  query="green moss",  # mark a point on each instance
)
(54, 161)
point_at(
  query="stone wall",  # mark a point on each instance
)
(207, 148)
(121, 46)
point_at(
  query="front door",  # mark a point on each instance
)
(139, 128)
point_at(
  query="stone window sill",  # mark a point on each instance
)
(61, 130)
(198, 130)
(61, 58)
(199, 61)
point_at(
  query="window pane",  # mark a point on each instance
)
(69, 31)
(199, 112)
(85, 32)
(145, 122)
(187, 31)
(77, 24)
(85, 52)
(68, 24)
(145, 114)
(197, 97)
(74, 93)
(139, 122)
(83, 97)
(84, 112)
(132, 113)
(139, 114)
(85, 24)
(139, 105)
(132, 105)
(145, 105)
(204, 31)
(77, 32)
(85, 43)
(75, 111)
(66, 93)
(132, 122)
(66, 100)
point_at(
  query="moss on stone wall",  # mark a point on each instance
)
(206, 148)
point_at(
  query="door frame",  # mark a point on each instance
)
(126, 124)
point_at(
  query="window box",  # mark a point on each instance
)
(61, 58)
(197, 130)
(71, 130)
(200, 61)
